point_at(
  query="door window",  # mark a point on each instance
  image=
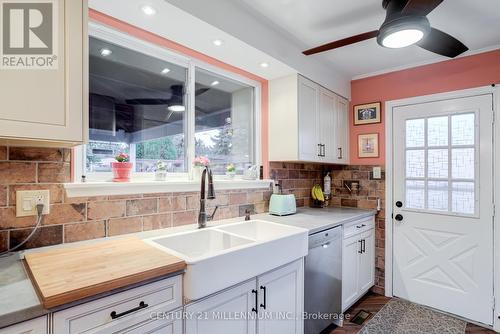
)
(441, 164)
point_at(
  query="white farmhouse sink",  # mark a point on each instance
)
(219, 257)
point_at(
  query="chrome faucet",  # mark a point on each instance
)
(203, 217)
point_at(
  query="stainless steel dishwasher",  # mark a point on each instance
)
(323, 279)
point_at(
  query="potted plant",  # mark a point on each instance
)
(230, 171)
(160, 171)
(199, 164)
(121, 168)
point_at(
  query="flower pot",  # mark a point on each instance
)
(121, 171)
(197, 171)
(160, 175)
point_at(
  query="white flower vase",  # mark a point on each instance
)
(197, 171)
(161, 175)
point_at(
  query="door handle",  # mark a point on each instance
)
(399, 217)
(340, 153)
(399, 204)
(324, 150)
(363, 246)
(360, 251)
(265, 297)
(319, 149)
(255, 309)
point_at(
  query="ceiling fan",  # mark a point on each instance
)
(405, 24)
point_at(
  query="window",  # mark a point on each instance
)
(441, 163)
(224, 122)
(142, 103)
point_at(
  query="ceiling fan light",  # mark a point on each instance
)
(402, 38)
(403, 31)
(177, 108)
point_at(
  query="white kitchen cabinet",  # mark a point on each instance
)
(307, 122)
(49, 106)
(218, 313)
(270, 304)
(34, 326)
(281, 299)
(358, 260)
(126, 311)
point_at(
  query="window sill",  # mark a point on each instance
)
(104, 188)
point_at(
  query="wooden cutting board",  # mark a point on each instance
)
(68, 274)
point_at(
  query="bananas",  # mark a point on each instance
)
(317, 193)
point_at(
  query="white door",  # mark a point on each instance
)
(342, 153)
(281, 300)
(308, 120)
(350, 271)
(328, 125)
(224, 312)
(367, 261)
(443, 246)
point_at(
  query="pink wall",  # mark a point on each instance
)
(462, 73)
(166, 43)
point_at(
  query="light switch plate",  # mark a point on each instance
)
(377, 173)
(26, 201)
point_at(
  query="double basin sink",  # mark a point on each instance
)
(222, 256)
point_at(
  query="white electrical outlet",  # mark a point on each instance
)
(26, 201)
(377, 173)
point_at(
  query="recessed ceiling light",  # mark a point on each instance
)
(265, 65)
(177, 108)
(214, 83)
(148, 10)
(106, 52)
(217, 42)
(165, 70)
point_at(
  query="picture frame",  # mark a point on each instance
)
(368, 145)
(369, 113)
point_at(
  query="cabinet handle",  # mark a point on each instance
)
(265, 297)
(324, 150)
(340, 153)
(319, 150)
(115, 315)
(360, 251)
(255, 309)
(363, 246)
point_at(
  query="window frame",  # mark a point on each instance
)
(191, 64)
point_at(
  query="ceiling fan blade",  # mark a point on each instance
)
(420, 7)
(148, 102)
(443, 44)
(342, 42)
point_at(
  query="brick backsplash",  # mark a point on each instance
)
(77, 219)
(298, 178)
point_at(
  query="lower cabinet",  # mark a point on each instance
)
(269, 304)
(358, 261)
(151, 308)
(34, 326)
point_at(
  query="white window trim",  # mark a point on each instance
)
(182, 180)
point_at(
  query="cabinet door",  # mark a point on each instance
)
(225, 312)
(35, 326)
(367, 261)
(350, 270)
(281, 300)
(49, 104)
(342, 133)
(328, 125)
(308, 109)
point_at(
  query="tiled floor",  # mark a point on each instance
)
(373, 303)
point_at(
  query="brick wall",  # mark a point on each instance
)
(75, 219)
(298, 178)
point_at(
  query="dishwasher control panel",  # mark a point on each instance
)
(324, 238)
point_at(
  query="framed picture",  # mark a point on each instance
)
(368, 146)
(367, 113)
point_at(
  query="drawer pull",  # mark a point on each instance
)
(360, 226)
(115, 315)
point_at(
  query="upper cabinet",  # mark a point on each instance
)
(307, 122)
(43, 73)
